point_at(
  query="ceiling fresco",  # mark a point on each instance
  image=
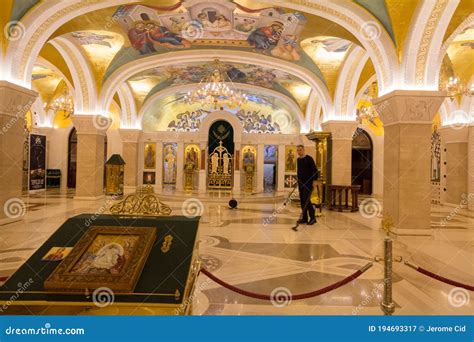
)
(45, 81)
(461, 54)
(100, 47)
(112, 37)
(261, 112)
(328, 53)
(379, 9)
(207, 25)
(117, 35)
(151, 81)
(459, 60)
(21, 7)
(374, 124)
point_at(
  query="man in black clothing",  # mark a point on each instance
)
(307, 174)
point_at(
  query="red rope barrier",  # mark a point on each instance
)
(438, 277)
(334, 286)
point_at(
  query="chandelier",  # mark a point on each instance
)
(367, 113)
(62, 103)
(215, 89)
(455, 88)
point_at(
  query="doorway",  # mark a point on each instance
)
(220, 171)
(362, 161)
(270, 167)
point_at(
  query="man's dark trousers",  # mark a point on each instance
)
(305, 198)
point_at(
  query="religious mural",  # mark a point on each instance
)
(435, 155)
(150, 156)
(365, 111)
(149, 178)
(249, 154)
(192, 154)
(188, 121)
(270, 30)
(169, 163)
(290, 181)
(160, 78)
(270, 153)
(261, 114)
(290, 159)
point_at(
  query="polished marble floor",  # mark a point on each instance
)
(253, 248)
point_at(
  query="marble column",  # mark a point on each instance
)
(470, 167)
(260, 166)
(15, 102)
(180, 167)
(455, 141)
(407, 117)
(237, 187)
(130, 150)
(202, 171)
(91, 130)
(281, 168)
(159, 165)
(341, 158)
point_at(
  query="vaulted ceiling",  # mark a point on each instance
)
(296, 55)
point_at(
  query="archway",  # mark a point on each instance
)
(362, 161)
(220, 169)
(270, 161)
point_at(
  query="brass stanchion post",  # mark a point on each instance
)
(387, 305)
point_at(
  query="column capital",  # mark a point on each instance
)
(15, 100)
(130, 134)
(91, 124)
(408, 106)
(340, 130)
(454, 134)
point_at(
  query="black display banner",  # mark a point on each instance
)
(37, 170)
